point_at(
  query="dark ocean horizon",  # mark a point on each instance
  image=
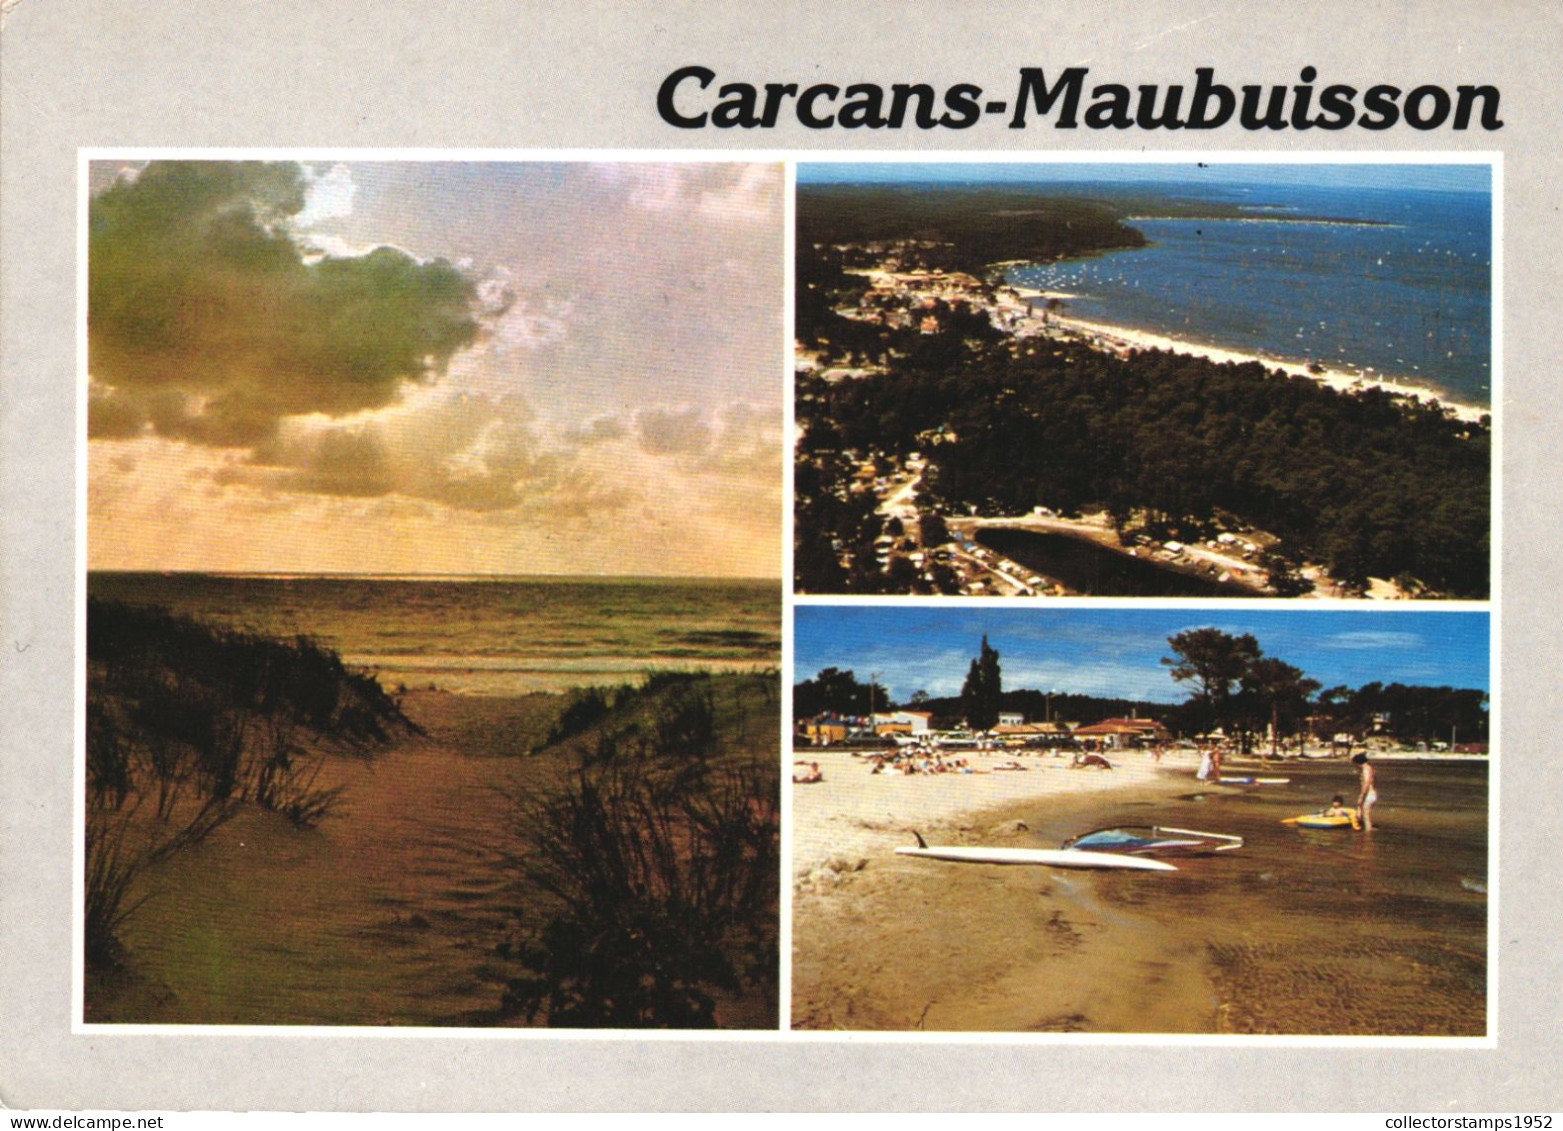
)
(485, 635)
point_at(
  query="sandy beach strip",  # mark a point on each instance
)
(854, 815)
(1333, 376)
(882, 942)
(1037, 292)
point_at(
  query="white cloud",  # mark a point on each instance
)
(732, 193)
(751, 195)
(327, 196)
(529, 324)
(1363, 641)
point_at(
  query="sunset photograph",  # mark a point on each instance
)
(432, 596)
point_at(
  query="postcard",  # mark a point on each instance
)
(694, 560)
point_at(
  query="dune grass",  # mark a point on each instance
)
(654, 869)
(188, 723)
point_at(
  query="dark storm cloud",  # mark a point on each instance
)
(673, 433)
(208, 323)
(468, 453)
(114, 416)
(603, 429)
(344, 462)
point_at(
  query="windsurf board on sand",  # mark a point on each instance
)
(1052, 857)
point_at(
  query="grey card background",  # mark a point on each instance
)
(331, 74)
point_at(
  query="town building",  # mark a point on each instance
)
(1122, 733)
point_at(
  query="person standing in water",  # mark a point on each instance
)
(1367, 795)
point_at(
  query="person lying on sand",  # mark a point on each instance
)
(808, 776)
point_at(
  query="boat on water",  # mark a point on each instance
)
(1152, 840)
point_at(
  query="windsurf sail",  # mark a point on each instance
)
(1153, 840)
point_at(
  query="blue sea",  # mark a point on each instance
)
(1405, 292)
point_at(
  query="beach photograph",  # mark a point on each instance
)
(431, 607)
(1194, 379)
(1223, 821)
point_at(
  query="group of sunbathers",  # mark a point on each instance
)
(918, 763)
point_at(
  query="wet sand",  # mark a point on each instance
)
(1297, 933)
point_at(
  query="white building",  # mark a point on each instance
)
(907, 722)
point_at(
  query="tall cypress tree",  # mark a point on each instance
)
(980, 693)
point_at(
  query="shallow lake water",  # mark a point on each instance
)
(1296, 933)
(1322, 931)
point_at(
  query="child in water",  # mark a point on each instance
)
(1337, 808)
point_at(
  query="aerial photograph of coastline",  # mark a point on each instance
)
(1234, 820)
(1228, 380)
(432, 608)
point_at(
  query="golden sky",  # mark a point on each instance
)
(420, 367)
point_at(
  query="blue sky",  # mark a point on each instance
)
(1117, 652)
(1449, 177)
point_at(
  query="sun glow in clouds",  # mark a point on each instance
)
(435, 367)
